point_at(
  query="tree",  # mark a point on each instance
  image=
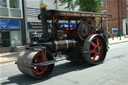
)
(83, 5)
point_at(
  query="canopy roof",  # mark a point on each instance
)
(71, 15)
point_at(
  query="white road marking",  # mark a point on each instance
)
(5, 78)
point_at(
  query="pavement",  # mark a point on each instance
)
(117, 40)
(11, 56)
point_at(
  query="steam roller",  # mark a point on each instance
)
(82, 41)
(37, 61)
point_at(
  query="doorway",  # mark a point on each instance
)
(0, 39)
(126, 29)
(5, 39)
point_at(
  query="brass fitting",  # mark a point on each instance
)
(43, 6)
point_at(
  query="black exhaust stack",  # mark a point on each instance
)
(44, 22)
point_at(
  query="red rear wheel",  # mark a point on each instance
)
(95, 49)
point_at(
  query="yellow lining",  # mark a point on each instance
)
(43, 6)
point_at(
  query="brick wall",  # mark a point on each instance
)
(117, 18)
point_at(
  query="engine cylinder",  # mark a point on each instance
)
(65, 44)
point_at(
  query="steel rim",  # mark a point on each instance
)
(39, 70)
(96, 49)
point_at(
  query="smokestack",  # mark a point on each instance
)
(44, 21)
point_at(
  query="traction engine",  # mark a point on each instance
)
(86, 41)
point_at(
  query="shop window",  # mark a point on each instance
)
(3, 8)
(3, 3)
(15, 8)
(14, 3)
(104, 3)
(11, 8)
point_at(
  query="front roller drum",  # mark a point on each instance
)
(95, 49)
(28, 58)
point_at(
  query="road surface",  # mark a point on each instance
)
(114, 71)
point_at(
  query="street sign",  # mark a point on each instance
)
(9, 24)
(38, 25)
(72, 25)
(34, 25)
(114, 30)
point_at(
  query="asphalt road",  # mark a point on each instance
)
(114, 71)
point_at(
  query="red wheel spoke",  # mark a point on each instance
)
(44, 68)
(93, 44)
(92, 51)
(37, 69)
(99, 54)
(97, 41)
(37, 58)
(100, 47)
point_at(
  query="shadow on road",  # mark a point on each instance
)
(60, 69)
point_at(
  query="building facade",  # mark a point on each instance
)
(10, 25)
(117, 25)
(127, 16)
(11, 14)
(18, 23)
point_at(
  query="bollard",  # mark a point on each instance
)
(120, 35)
(125, 36)
(112, 37)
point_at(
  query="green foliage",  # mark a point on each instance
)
(84, 5)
